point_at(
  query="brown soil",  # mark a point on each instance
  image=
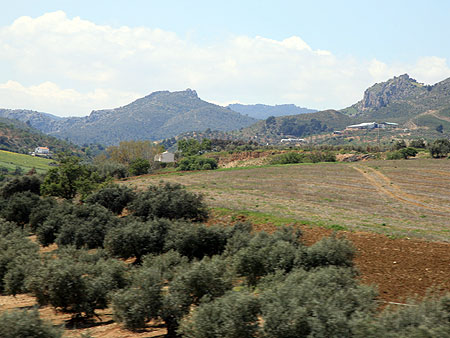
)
(399, 267)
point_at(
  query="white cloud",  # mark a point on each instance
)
(71, 66)
(48, 97)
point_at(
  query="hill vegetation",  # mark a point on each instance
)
(159, 115)
(405, 101)
(263, 111)
(20, 137)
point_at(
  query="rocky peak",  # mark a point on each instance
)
(381, 94)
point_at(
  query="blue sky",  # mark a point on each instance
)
(320, 54)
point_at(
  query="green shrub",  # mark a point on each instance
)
(196, 241)
(168, 264)
(399, 144)
(429, 318)
(76, 285)
(203, 281)
(197, 163)
(22, 323)
(319, 303)
(307, 157)
(48, 224)
(18, 257)
(18, 207)
(394, 155)
(113, 197)
(418, 143)
(140, 302)
(137, 239)
(112, 169)
(329, 251)
(39, 214)
(288, 158)
(233, 315)
(440, 148)
(71, 177)
(139, 166)
(21, 184)
(86, 226)
(170, 201)
(265, 254)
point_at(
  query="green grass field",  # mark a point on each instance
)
(408, 198)
(11, 160)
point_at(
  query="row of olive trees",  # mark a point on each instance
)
(201, 281)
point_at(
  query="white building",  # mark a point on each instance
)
(366, 125)
(165, 157)
(42, 151)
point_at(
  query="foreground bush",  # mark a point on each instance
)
(141, 302)
(18, 258)
(266, 253)
(170, 201)
(113, 197)
(76, 282)
(18, 324)
(429, 318)
(196, 240)
(137, 239)
(84, 226)
(319, 303)
(235, 315)
(18, 207)
(21, 184)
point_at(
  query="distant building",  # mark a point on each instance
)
(371, 125)
(293, 140)
(365, 125)
(41, 151)
(165, 157)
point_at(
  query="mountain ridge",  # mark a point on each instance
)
(156, 116)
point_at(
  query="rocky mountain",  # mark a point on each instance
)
(418, 107)
(159, 115)
(401, 98)
(262, 111)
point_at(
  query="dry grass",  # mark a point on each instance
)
(407, 198)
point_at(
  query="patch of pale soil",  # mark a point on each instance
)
(393, 190)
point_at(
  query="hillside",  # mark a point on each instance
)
(403, 100)
(19, 137)
(262, 111)
(159, 115)
(11, 161)
(298, 126)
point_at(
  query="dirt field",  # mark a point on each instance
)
(408, 198)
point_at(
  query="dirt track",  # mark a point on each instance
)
(387, 187)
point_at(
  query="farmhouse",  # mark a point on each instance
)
(165, 157)
(42, 151)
